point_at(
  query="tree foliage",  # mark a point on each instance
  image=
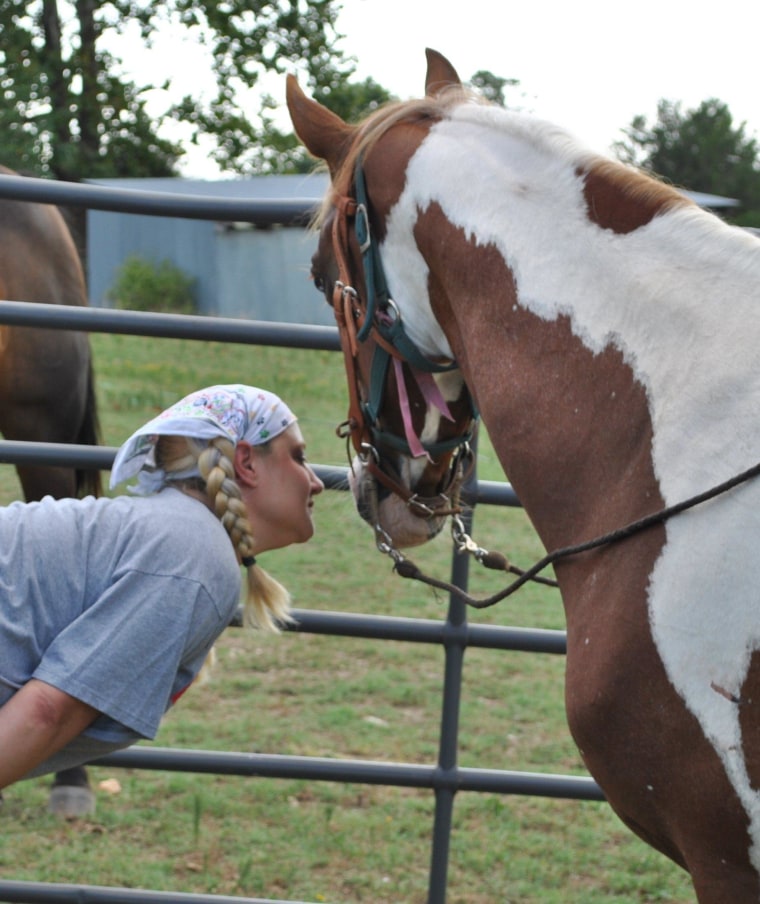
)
(700, 149)
(492, 87)
(281, 152)
(68, 112)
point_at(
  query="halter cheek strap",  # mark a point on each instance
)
(380, 318)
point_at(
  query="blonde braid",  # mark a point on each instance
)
(267, 602)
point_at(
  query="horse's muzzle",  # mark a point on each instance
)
(403, 522)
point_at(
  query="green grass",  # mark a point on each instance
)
(338, 697)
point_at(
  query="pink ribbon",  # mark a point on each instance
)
(432, 395)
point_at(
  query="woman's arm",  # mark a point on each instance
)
(35, 723)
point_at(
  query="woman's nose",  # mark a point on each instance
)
(316, 484)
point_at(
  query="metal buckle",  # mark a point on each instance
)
(416, 504)
(369, 451)
(345, 290)
(365, 242)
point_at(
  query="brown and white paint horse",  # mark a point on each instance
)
(608, 330)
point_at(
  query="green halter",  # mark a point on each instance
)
(383, 315)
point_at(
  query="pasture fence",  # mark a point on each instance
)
(445, 778)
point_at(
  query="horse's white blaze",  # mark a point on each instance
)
(679, 299)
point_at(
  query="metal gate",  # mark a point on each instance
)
(445, 777)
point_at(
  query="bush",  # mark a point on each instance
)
(143, 285)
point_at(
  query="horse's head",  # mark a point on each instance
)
(411, 416)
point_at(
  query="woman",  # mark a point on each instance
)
(110, 607)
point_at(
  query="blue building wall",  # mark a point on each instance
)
(240, 271)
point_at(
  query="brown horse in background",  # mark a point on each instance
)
(46, 377)
(46, 381)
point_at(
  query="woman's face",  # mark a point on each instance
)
(279, 498)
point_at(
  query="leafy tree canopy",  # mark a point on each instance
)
(492, 86)
(701, 150)
(281, 152)
(67, 111)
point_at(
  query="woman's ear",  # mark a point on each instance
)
(246, 472)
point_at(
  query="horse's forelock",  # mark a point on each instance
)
(370, 130)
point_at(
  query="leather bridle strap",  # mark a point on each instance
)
(343, 307)
(346, 308)
(359, 318)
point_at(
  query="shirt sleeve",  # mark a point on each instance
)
(134, 650)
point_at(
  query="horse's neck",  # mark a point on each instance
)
(571, 427)
(576, 340)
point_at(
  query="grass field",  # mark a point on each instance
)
(333, 697)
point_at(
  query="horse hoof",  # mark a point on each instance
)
(71, 801)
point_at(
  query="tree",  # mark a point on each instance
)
(68, 113)
(701, 150)
(492, 86)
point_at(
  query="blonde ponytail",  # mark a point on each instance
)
(268, 602)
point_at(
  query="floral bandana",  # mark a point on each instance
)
(237, 412)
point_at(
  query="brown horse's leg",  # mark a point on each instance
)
(38, 482)
(71, 795)
(47, 392)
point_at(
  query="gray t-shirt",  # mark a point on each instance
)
(114, 601)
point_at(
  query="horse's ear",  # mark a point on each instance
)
(440, 73)
(324, 134)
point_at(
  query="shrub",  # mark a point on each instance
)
(144, 285)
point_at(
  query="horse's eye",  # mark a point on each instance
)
(318, 282)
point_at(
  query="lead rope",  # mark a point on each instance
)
(407, 569)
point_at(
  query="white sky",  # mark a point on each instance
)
(590, 65)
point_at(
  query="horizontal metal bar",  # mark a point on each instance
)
(19, 452)
(101, 458)
(368, 772)
(385, 627)
(71, 455)
(492, 492)
(261, 211)
(58, 893)
(169, 326)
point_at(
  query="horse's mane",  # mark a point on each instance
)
(641, 187)
(462, 103)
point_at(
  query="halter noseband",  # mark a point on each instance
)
(378, 316)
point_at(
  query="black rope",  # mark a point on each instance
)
(408, 569)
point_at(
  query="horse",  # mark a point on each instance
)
(607, 329)
(47, 390)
